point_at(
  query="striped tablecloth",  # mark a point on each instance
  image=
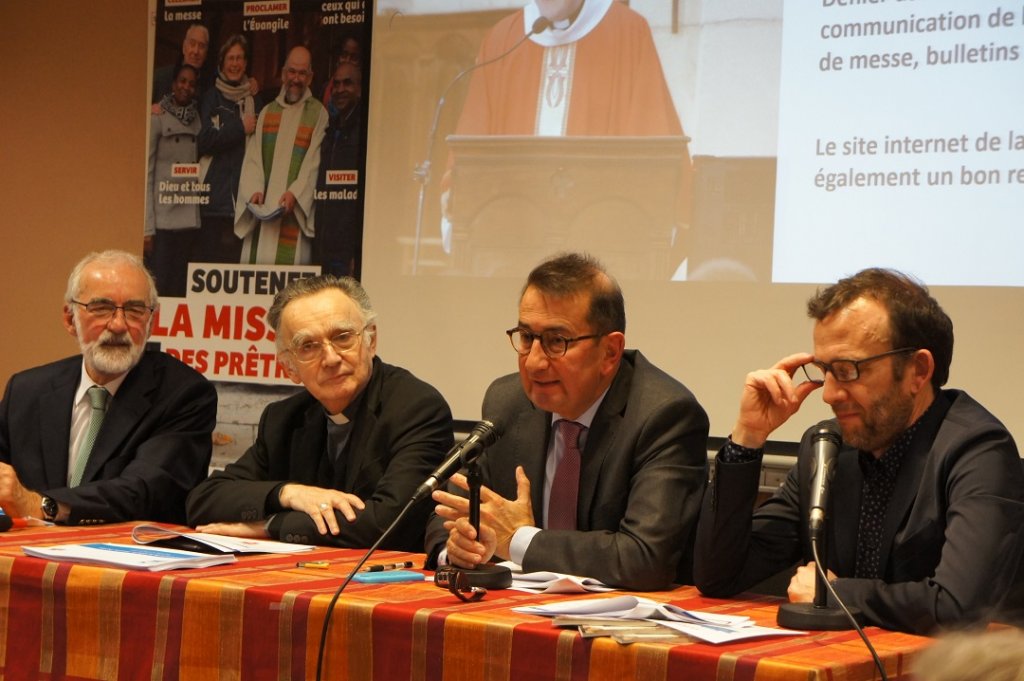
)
(261, 619)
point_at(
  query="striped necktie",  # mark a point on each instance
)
(98, 401)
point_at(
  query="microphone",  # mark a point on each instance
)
(422, 172)
(483, 435)
(826, 442)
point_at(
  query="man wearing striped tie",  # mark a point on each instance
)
(601, 466)
(115, 433)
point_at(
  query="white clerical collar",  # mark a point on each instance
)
(338, 419)
(590, 16)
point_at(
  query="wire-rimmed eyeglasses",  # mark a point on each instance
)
(105, 309)
(312, 350)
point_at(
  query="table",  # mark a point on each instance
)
(261, 618)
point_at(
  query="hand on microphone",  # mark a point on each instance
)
(801, 586)
(499, 520)
(770, 397)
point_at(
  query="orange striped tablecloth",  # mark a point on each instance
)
(261, 619)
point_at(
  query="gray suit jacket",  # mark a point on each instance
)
(952, 534)
(643, 472)
(153, 447)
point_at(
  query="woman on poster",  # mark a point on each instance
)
(228, 112)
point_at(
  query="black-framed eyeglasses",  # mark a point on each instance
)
(844, 370)
(457, 581)
(342, 342)
(105, 309)
(553, 344)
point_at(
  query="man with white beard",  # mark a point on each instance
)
(113, 434)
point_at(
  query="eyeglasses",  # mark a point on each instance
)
(312, 350)
(553, 344)
(844, 370)
(457, 581)
(105, 309)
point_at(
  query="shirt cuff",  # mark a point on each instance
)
(520, 543)
(734, 453)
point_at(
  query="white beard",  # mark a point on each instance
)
(112, 353)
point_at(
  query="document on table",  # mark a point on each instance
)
(127, 556)
(552, 582)
(205, 542)
(706, 626)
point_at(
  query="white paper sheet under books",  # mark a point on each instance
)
(706, 626)
(127, 556)
(147, 534)
(552, 582)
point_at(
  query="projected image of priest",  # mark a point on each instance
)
(594, 72)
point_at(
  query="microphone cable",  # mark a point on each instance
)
(337, 593)
(842, 606)
(422, 172)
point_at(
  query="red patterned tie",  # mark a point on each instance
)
(565, 487)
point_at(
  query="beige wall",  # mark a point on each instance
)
(72, 157)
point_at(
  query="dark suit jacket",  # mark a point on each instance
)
(952, 534)
(402, 428)
(644, 467)
(154, 445)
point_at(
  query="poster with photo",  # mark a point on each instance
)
(255, 168)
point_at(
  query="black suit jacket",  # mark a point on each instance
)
(402, 428)
(952, 534)
(643, 470)
(154, 445)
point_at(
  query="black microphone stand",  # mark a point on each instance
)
(818, 615)
(421, 173)
(487, 575)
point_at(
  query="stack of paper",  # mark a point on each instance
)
(710, 627)
(552, 582)
(127, 556)
(211, 543)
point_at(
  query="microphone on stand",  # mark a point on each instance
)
(422, 172)
(826, 442)
(817, 616)
(483, 435)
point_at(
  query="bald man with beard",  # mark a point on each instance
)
(273, 211)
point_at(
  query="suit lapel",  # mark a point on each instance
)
(308, 446)
(531, 451)
(55, 407)
(908, 479)
(601, 440)
(364, 422)
(845, 516)
(127, 408)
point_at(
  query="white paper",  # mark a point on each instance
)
(710, 627)
(553, 582)
(127, 556)
(146, 534)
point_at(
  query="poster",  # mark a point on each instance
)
(255, 168)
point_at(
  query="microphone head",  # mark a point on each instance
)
(827, 430)
(486, 432)
(540, 25)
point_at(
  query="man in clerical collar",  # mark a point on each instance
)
(337, 462)
(923, 527)
(116, 433)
